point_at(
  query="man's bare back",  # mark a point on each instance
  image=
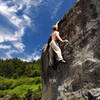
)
(54, 35)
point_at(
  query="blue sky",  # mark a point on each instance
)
(25, 26)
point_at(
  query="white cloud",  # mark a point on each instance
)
(53, 7)
(14, 36)
(30, 3)
(19, 46)
(5, 10)
(10, 52)
(27, 19)
(56, 9)
(34, 56)
(5, 46)
(19, 22)
(6, 36)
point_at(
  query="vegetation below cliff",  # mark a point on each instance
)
(20, 80)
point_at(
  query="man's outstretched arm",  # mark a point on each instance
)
(59, 38)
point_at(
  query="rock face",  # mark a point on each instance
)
(79, 78)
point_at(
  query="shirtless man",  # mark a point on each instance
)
(55, 36)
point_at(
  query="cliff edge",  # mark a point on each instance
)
(79, 78)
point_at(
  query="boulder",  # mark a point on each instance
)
(80, 75)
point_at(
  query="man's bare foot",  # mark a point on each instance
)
(62, 61)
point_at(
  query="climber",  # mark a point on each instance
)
(53, 44)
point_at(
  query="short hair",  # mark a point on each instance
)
(54, 27)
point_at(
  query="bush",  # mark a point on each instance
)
(15, 68)
(15, 97)
(34, 73)
(17, 77)
(19, 86)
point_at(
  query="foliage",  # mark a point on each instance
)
(15, 68)
(20, 79)
(19, 86)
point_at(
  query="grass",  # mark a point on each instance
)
(22, 89)
(19, 86)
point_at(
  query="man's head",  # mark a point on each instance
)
(55, 28)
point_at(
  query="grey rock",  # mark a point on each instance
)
(94, 94)
(75, 79)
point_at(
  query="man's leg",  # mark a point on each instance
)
(57, 50)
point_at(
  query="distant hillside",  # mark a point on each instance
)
(15, 68)
(20, 80)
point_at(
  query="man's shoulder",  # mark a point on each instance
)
(57, 32)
